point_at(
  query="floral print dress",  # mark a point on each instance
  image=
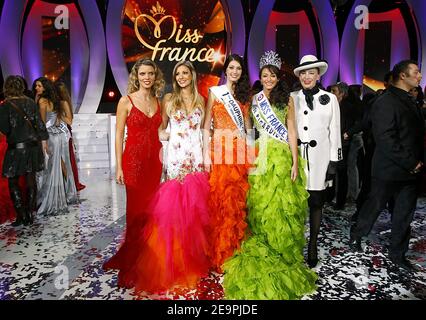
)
(184, 150)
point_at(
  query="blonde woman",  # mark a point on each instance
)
(174, 252)
(139, 166)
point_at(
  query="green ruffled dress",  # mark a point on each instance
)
(270, 263)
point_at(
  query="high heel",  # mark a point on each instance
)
(355, 244)
(312, 255)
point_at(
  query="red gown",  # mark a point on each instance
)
(7, 212)
(142, 173)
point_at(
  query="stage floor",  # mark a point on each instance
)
(60, 257)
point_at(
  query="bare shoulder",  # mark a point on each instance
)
(124, 103)
(212, 99)
(167, 96)
(202, 100)
(211, 94)
(166, 99)
(44, 105)
(124, 99)
(43, 102)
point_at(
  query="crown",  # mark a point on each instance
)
(157, 9)
(270, 58)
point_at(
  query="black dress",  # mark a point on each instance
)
(19, 161)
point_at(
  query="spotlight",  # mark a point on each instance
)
(111, 94)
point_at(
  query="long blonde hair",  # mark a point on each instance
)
(176, 101)
(134, 85)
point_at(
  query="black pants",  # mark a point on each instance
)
(405, 195)
(366, 178)
(340, 183)
(342, 178)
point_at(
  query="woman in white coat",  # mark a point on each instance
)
(318, 126)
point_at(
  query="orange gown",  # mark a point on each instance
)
(228, 185)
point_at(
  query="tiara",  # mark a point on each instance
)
(270, 58)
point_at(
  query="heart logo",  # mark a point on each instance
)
(157, 28)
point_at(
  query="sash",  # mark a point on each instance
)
(61, 127)
(222, 93)
(267, 119)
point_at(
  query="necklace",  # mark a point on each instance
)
(144, 101)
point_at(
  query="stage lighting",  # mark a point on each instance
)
(111, 94)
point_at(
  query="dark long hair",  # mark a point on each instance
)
(49, 93)
(242, 87)
(280, 95)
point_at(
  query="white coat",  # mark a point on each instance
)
(320, 125)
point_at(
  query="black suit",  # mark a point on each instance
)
(398, 129)
(340, 184)
(367, 136)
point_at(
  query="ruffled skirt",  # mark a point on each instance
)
(174, 244)
(228, 209)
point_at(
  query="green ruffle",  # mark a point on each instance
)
(270, 264)
(258, 272)
(277, 206)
